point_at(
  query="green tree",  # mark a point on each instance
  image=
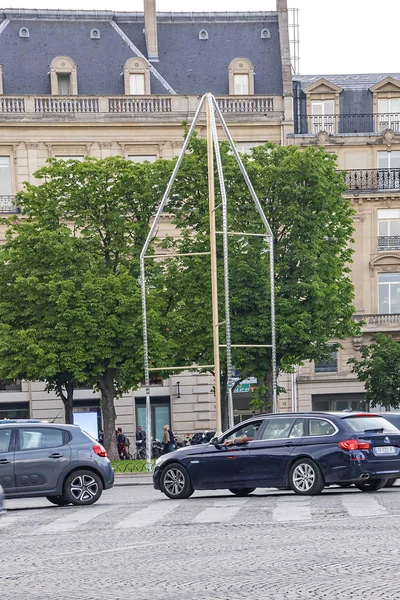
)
(379, 370)
(70, 300)
(301, 195)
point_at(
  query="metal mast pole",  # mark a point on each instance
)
(214, 281)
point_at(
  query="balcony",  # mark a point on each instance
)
(347, 123)
(373, 180)
(7, 205)
(388, 242)
(100, 108)
(375, 323)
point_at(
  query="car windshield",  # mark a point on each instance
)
(370, 424)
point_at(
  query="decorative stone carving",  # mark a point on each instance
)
(357, 342)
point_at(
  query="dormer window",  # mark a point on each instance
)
(63, 76)
(241, 77)
(386, 103)
(137, 77)
(323, 116)
(323, 106)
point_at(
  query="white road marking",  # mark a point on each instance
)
(149, 515)
(292, 509)
(74, 518)
(221, 511)
(362, 505)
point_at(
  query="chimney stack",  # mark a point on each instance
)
(150, 27)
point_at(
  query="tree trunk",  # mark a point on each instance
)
(269, 392)
(108, 394)
(69, 403)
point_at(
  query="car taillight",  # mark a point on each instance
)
(99, 450)
(354, 445)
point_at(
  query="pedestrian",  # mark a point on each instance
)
(121, 443)
(166, 440)
(140, 442)
(100, 439)
(172, 441)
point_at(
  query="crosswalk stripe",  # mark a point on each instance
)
(74, 518)
(221, 511)
(361, 505)
(292, 509)
(14, 518)
(149, 515)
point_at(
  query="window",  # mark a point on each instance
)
(241, 85)
(14, 410)
(388, 113)
(36, 438)
(241, 77)
(63, 76)
(323, 116)
(136, 84)
(320, 427)
(361, 424)
(327, 366)
(388, 176)
(283, 428)
(248, 430)
(5, 176)
(137, 77)
(64, 84)
(10, 385)
(245, 147)
(63, 157)
(389, 229)
(5, 439)
(389, 293)
(141, 158)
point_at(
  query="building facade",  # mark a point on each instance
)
(356, 117)
(75, 84)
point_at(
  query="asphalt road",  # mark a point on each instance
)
(135, 544)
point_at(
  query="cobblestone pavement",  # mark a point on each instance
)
(136, 544)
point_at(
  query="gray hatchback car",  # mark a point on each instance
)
(60, 462)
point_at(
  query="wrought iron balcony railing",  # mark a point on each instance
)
(347, 123)
(7, 205)
(388, 242)
(373, 180)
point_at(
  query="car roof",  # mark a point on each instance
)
(325, 414)
(35, 423)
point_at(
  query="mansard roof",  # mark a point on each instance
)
(188, 64)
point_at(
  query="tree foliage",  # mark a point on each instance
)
(379, 370)
(301, 195)
(70, 302)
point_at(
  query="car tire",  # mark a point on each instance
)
(82, 487)
(305, 478)
(58, 500)
(390, 483)
(241, 491)
(175, 482)
(371, 486)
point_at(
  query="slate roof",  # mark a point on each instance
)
(189, 65)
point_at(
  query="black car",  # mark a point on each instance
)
(300, 451)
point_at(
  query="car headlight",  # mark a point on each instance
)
(161, 459)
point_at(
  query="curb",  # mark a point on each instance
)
(131, 483)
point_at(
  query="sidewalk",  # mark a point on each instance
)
(133, 479)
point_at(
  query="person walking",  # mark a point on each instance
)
(168, 440)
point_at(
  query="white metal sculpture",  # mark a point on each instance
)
(212, 111)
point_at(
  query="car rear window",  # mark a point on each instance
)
(362, 424)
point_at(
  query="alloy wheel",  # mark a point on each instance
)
(174, 481)
(303, 477)
(84, 488)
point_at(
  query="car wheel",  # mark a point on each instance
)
(241, 491)
(390, 482)
(371, 486)
(58, 500)
(305, 478)
(175, 482)
(83, 487)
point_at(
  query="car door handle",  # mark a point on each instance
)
(4, 461)
(56, 455)
(289, 444)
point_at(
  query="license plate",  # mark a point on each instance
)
(385, 450)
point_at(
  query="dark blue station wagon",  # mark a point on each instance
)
(300, 451)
